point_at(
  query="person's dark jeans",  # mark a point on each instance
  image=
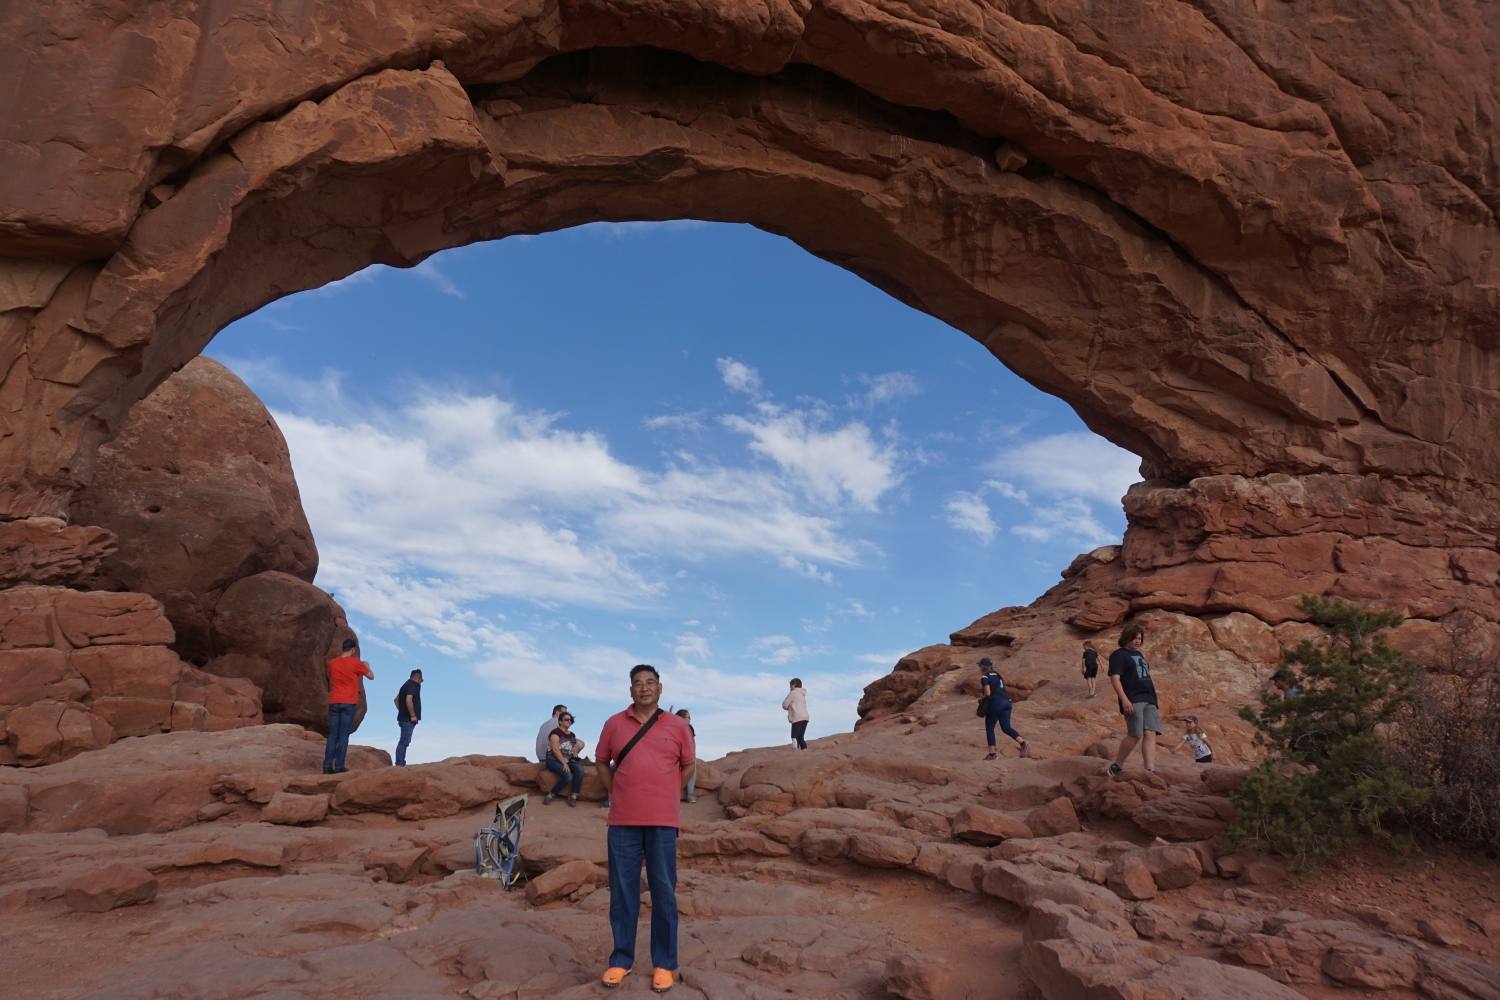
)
(406, 730)
(629, 846)
(999, 714)
(799, 730)
(572, 773)
(340, 722)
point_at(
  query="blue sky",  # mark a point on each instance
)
(530, 464)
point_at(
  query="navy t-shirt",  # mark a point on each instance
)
(415, 690)
(998, 695)
(1135, 675)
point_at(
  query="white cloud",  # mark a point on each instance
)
(888, 387)
(739, 376)
(429, 271)
(968, 512)
(1069, 520)
(1079, 464)
(457, 498)
(830, 465)
(676, 421)
(886, 660)
(780, 649)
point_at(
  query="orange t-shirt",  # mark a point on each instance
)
(344, 673)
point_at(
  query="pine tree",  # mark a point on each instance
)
(1327, 776)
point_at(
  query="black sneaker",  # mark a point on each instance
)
(1114, 769)
(327, 769)
(341, 770)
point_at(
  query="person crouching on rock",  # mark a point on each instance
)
(1136, 691)
(562, 759)
(795, 704)
(1091, 667)
(344, 672)
(645, 757)
(997, 708)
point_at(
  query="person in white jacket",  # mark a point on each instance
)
(795, 704)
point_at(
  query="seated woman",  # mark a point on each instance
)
(562, 755)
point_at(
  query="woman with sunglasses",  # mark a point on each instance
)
(562, 760)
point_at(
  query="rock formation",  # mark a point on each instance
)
(199, 491)
(78, 670)
(1242, 240)
(889, 861)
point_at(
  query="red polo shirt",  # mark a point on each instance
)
(648, 786)
(344, 673)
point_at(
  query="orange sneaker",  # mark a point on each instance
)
(662, 980)
(614, 975)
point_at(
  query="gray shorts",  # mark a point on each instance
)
(1145, 718)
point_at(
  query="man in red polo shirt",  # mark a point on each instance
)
(644, 780)
(344, 672)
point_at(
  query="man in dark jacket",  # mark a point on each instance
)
(408, 713)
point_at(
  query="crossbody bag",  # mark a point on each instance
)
(620, 757)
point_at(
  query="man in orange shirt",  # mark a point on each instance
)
(344, 673)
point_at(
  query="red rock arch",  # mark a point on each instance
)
(1254, 246)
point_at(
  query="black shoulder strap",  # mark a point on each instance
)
(620, 757)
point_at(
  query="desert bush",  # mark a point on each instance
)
(1447, 740)
(1328, 775)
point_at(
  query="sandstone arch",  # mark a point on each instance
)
(1254, 244)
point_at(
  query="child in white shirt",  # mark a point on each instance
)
(1202, 753)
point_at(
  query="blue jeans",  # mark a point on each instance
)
(629, 846)
(406, 730)
(573, 773)
(1000, 714)
(340, 722)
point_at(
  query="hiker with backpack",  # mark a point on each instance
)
(645, 758)
(408, 713)
(995, 706)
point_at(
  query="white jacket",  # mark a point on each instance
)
(796, 705)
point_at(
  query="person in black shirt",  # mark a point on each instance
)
(408, 713)
(992, 686)
(1091, 667)
(1131, 676)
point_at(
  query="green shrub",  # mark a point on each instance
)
(1328, 776)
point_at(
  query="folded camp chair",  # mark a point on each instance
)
(497, 848)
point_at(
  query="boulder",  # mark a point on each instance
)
(198, 486)
(291, 809)
(31, 675)
(1252, 868)
(47, 732)
(935, 858)
(1439, 931)
(109, 888)
(574, 879)
(1185, 816)
(1053, 819)
(819, 845)
(398, 865)
(1220, 779)
(986, 827)
(1129, 878)
(421, 791)
(915, 976)
(1026, 885)
(1305, 951)
(1172, 866)
(278, 632)
(876, 851)
(112, 619)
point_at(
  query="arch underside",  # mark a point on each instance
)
(1224, 261)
